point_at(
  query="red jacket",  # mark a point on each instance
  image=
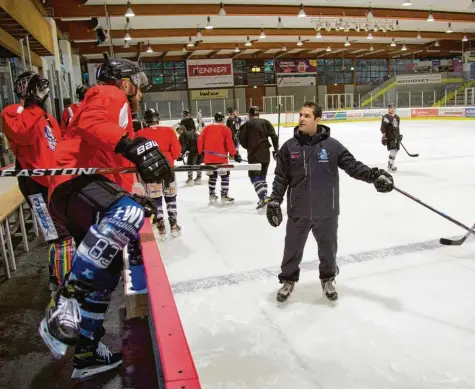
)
(216, 141)
(33, 135)
(68, 114)
(100, 122)
(167, 141)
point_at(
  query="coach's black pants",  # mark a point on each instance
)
(324, 232)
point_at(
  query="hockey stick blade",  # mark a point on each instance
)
(408, 153)
(458, 242)
(119, 170)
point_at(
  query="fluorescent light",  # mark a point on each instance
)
(302, 13)
(129, 13)
(449, 30)
(127, 36)
(209, 26)
(263, 34)
(319, 36)
(79, 19)
(221, 12)
(430, 18)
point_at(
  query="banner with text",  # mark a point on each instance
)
(296, 81)
(209, 73)
(424, 112)
(419, 79)
(296, 66)
(209, 94)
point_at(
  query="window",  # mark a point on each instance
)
(334, 71)
(371, 71)
(166, 76)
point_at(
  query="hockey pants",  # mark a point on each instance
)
(104, 219)
(258, 179)
(193, 159)
(324, 232)
(157, 192)
(61, 244)
(213, 180)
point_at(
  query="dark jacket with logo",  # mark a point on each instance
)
(390, 127)
(254, 137)
(308, 167)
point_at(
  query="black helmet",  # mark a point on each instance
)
(253, 111)
(218, 117)
(391, 105)
(186, 112)
(115, 69)
(81, 92)
(151, 115)
(28, 83)
(231, 110)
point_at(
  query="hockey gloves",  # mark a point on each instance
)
(151, 163)
(274, 213)
(237, 158)
(148, 204)
(382, 180)
(384, 141)
(399, 138)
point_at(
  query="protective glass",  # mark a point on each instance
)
(140, 80)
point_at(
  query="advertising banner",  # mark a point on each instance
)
(470, 112)
(424, 112)
(452, 112)
(209, 73)
(419, 79)
(209, 94)
(296, 81)
(296, 66)
(334, 115)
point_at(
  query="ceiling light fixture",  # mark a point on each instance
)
(221, 12)
(465, 39)
(263, 34)
(127, 36)
(126, 46)
(449, 29)
(404, 48)
(279, 23)
(236, 49)
(347, 42)
(370, 14)
(430, 18)
(149, 48)
(370, 36)
(190, 43)
(209, 26)
(406, 3)
(198, 33)
(419, 37)
(328, 48)
(393, 43)
(299, 43)
(437, 44)
(284, 48)
(129, 13)
(248, 42)
(302, 13)
(319, 36)
(472, 5)
(371, 48)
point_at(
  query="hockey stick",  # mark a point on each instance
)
(458, 242)
(119, 170)
(470, 230)
(408, 153)
(278, 122)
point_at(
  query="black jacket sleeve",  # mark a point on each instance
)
(183, 142)
(384, 125)
(271, 134)
(229, 123)
(355, 169)
(282, 175)
(243, 139)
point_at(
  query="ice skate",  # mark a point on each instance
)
(328, 287)
(392, 167)
(213, 199)
(61, 325)
(92, 359)
(162, 230)
(262, 205)
(284, 292)
(174, 227)
(197, 181)
(189, 182)
(226, 200)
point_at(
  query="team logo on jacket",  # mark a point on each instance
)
(50, 138)
(323, 156)
(295, 155)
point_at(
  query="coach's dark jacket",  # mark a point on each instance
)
(308, 166)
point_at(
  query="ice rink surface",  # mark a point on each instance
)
(405, 318)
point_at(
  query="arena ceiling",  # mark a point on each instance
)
(177, 29)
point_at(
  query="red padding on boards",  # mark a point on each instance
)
(178, 366)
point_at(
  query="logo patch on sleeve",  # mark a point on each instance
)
(295, 155)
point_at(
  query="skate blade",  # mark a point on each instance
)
(162, 238)
(83, 374)
(176, 234)
(57, 348)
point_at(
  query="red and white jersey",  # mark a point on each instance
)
(68, 114)
(216, 142)
(167, 141)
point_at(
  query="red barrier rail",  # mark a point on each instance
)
(174, 357)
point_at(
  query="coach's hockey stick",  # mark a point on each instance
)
(408, 153)
(119, 170)
(458, 242)
(470, 230)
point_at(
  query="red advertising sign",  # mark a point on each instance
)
(210, 73)
(424, 112)
(209, 70)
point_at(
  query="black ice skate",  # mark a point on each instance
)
(189, 181)
(162, 230)
(60, 328)
(284, 292)
(262, 205)
(94, 358)
(329, 289)
(226, 200)
(174, 227)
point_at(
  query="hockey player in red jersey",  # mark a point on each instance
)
(100, 212)
(34, 135)
(215, 143)
(170, 147)
(71, 109)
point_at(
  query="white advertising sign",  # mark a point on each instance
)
(452, 112)
(419, 79)
(296, 81)
(209, 73)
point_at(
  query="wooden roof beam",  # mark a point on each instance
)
(11, 44)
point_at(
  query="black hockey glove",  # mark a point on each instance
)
(274, 213)
(399, 138)
(382, 180)
(148, 204)
(151, 163)
(237, 158)
(384, 141)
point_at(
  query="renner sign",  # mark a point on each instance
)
(210, 73)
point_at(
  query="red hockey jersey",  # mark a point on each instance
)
(100, 122)
(68, 114)
(167, 141)
(216, 141)
(33, 135)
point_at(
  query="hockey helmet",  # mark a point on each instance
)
(28, 84)
(218, 117)
(81, 92)
(186, 112)
(151, 115)
(254, 111)
(231, 110)
(116, 69)
(391, 105)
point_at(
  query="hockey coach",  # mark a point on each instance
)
(307, 168)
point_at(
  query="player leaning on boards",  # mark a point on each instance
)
(391, 136)
(307, 165)
(99, 211)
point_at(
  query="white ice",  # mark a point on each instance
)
(405, 318)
